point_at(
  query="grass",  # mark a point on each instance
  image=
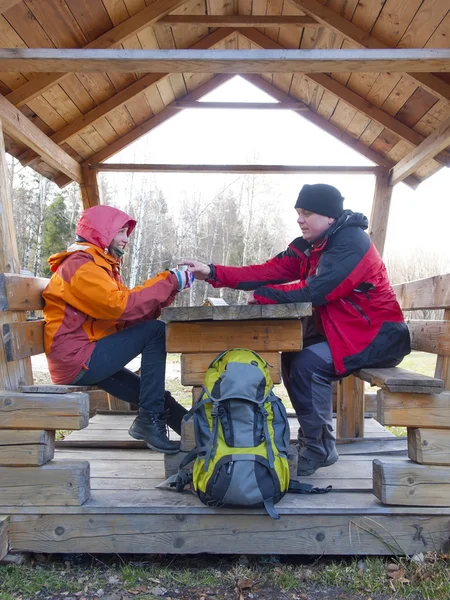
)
(220, 576)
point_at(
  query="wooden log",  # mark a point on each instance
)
(194, 366)
(43, 411)
(4, 542)
(216, 336)
(19, 448)
(430, 336)
(58, 483)
(22, 340)
(442, 370)
(90, 194)
(408, 484)
(350, 408)
(238, 312)
(55, 389)
(83, 60)
(429, 293)
(411, 410)
(429, 446)
(380, 210)
(396, 379)
(21, 292)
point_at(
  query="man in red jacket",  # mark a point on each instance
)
(356, 321)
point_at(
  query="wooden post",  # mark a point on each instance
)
(89, 188)
(18, 372)
(442, 370)
(380, 210)
(350, 408)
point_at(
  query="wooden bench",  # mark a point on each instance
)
(418, 402)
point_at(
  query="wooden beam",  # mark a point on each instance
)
(432, 145)
(342, 136)
(297, 106)
(349, 97)
(239, 21)
(245, 169)
(147, 16)
(332, 20)
(43, 60)
(89, 188)
(16, 125)
(7, 4)
(350, 408)
(380, 210)
(119, 99)
(431, 293)
(151, 123)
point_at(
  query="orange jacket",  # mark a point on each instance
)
(86, 300)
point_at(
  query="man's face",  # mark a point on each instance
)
(120, 240)
(313, 226)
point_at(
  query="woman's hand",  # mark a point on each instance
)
(198, 269)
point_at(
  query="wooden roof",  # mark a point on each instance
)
(91, 116)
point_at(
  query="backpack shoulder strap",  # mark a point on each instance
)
(299, 487)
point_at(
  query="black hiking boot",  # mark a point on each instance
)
(314, 454)
(152, 429)
(174, 411)
(308, 466)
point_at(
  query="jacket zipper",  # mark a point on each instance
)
(359, 309)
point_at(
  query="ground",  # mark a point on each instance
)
(203, 577)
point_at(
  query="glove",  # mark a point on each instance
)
(185, 279)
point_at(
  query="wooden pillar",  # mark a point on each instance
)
(350, 408)
(442, 370)
(380, 210)
(89, 188)
(18, 372)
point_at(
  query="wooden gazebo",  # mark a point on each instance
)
(80, 81)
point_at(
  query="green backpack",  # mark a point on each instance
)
(242, 437)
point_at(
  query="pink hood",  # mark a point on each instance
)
(98, 225)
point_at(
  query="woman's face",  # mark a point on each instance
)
(120, 240)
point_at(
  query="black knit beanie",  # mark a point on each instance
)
(322, 199)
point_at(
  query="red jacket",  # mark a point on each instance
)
(345, 280)
(86, 299)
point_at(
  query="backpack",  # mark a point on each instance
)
(242, 437)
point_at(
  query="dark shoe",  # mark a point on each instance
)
(175, 412)
(308, 466)
(152, 429)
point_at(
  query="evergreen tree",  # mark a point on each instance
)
(57, 233)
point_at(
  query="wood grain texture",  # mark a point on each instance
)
(19, 448)
(21, 292)
(247, 533)
(4, 540)
(58, 483)
(22, 340)
(406, 483)
(430, 336)
(428, 293)
(429, 446)
(217, 336)
(393, 378)
(43, 411)
(194, 366)
(414, 410)
(380, 210)
(350, 408)
(236, 312)
(39, 60)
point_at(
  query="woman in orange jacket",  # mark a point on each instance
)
(95, 325)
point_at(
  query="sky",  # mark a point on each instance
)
(419, 219)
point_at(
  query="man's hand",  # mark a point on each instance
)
(251, 298)
(198, 269)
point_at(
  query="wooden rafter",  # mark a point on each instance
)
(148, 125)
(16, 125)
(119, 99)
(239, 21)
(428, 149)
(111, 38)
(351, 98)
(244, 169)
(329, 18)
(44, 60)
(342, 136)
